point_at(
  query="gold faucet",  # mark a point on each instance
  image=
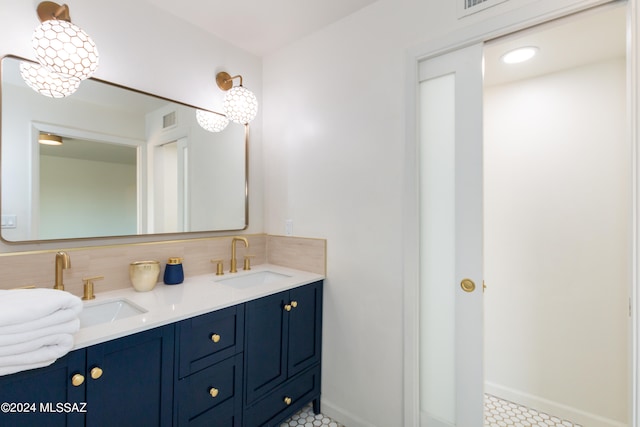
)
(63, 261)
(233, 252)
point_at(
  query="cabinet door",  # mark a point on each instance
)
(266, 329)
(305, 328)
(41, 391)
(135, 387)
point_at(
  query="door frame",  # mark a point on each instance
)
(500, 25)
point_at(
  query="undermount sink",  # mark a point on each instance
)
(253, 279)
(108, 311)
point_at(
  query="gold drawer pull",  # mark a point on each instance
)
(77, 380)
(96, 373)
(287, 307)
(215, 338)
(294, 304)
(214, 392)
(287, 401)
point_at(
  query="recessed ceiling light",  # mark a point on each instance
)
(520, 54)
(49, 139)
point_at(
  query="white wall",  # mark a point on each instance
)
(335, 106)
(102, 196)
(557, 242)
(147, 49)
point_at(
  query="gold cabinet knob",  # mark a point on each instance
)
(96, 373)
(214, 392)
(215, 338)
(287, 307)
(294, 304)
(287, 401)
(77, 380)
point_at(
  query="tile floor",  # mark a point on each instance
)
(497, 413)
(500, 413)
(306, 418)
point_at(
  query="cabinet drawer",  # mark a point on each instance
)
(272, 409)
(215, 419)
(196, 403)
(209, 338)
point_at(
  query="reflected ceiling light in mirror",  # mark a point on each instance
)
(47, 83)
(62, 46)
(519, 55)
(49, 139)
(240, 104)
(212, 122)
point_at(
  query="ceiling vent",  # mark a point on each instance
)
(467, 7)
(169, 120)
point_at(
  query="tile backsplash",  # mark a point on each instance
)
(112, 262)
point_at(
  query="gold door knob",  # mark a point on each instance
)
(96, 373)
(77, 380)
(467, 285)
(214, 392)
(215, 338)
(294, 304)
(287, 307)
(287, 401)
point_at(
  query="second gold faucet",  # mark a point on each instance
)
(234, 262)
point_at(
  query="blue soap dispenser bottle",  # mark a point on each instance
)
(173, 272)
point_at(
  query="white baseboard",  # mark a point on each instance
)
(341, 415)
(550, 407)
(426, 420)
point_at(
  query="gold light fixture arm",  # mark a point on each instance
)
(49, 10)
(225, 81)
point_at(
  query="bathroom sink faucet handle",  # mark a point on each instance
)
(247, 262)
(219, 266)
(88, 287)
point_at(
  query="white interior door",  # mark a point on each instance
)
(450, 182)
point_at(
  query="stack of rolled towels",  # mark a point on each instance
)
(36, 327)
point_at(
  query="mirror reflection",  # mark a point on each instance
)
(129, 163)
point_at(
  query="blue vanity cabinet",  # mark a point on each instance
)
(209, 365)
(283, 335)
(251, 365)
(129, 381)
(133, 385)
(33, 395)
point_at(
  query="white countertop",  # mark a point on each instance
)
(196, 295)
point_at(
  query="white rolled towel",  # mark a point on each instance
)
(20, 307)
(36, 327)
(8, 340)
(47, 350)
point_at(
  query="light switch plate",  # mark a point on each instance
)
(9, 221)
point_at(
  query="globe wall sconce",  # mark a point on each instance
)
(66, 54)
(240, 104)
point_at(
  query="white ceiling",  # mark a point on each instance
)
(261, 26)
(577, 40)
